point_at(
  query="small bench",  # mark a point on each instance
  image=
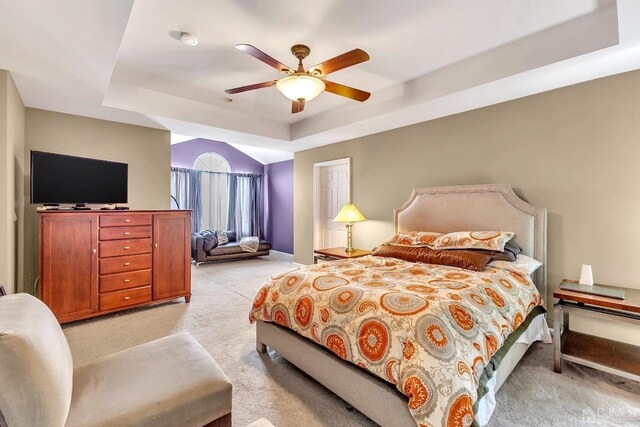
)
(167, 382)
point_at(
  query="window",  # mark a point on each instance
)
(211, 162)
(218, 198)
(214, 191)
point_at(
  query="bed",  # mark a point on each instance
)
(439, 209)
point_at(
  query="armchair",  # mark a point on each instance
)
(168, 382)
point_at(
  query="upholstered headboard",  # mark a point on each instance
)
(476, 208)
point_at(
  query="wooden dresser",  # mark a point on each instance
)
(98, 262)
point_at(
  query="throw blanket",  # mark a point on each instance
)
(249, 244)
(428, 329)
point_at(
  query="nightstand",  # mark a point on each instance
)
(595, 352)
(333, 254)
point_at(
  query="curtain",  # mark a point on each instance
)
(219, 201)
(215, 201)
(185, 188)
(245, 194)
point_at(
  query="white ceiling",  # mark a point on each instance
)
(117, 60)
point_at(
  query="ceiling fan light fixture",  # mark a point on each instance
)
(301, 86)
(298, 87)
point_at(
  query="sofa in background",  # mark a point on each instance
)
(205, 247)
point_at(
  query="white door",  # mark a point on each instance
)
(332, 188)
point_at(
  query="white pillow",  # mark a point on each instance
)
(523, 265)
(223, 237)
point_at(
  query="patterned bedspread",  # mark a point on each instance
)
(428, 329)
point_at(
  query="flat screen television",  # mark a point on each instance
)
(58, 179)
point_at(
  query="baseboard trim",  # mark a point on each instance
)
(282, 253)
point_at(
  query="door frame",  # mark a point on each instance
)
(316, 192)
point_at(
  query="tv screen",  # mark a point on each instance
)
(57, 178)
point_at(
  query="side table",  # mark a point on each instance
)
(596, 352)
(332, 254)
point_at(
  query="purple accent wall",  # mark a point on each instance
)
(185, 153)
(279, 205)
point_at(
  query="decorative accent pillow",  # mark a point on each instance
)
(511, 251)
(231, 235)
(492, 240)
(223, 237)
(210, 240)
(471, 260)
(414, 238)
(513, 248)
(523, 265)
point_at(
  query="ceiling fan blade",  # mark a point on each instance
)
(258, 54)
(345, 60)
(249, 87)
(297, 106)
(346, 91)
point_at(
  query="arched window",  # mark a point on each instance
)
(211, 162)
(215, 191)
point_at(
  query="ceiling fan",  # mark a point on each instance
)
(301, 86)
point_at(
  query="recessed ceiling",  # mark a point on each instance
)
(405, 41)
(122, 61)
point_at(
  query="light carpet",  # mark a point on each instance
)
(268, 386)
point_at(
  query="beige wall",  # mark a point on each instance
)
(11, 183)
(575, 151)
(146, 150)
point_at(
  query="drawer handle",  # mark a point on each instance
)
(126, 298)
(127, 263)
(127, 220)
(126, 233)
(94, 251)
(126, 248)
(126, 280)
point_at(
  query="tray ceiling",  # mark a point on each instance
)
(121, 60)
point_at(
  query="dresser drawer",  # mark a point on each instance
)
(118, 233)
(125, 263)
(118, 220)
(119, 281)
(124, 247)
(127, 298)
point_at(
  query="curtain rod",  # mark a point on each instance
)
(177, 169)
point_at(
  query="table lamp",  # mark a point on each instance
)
(349, 214)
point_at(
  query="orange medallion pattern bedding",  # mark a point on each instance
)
(428, 329)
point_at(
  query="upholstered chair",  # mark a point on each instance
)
(168, 382)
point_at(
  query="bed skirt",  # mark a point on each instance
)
(375, 398)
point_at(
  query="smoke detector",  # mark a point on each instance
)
(188, 39)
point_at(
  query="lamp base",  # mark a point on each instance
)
(349, 247)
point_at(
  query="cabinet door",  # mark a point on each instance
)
(171, 252)
(69, 264)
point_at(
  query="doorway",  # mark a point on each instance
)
(332, 189)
